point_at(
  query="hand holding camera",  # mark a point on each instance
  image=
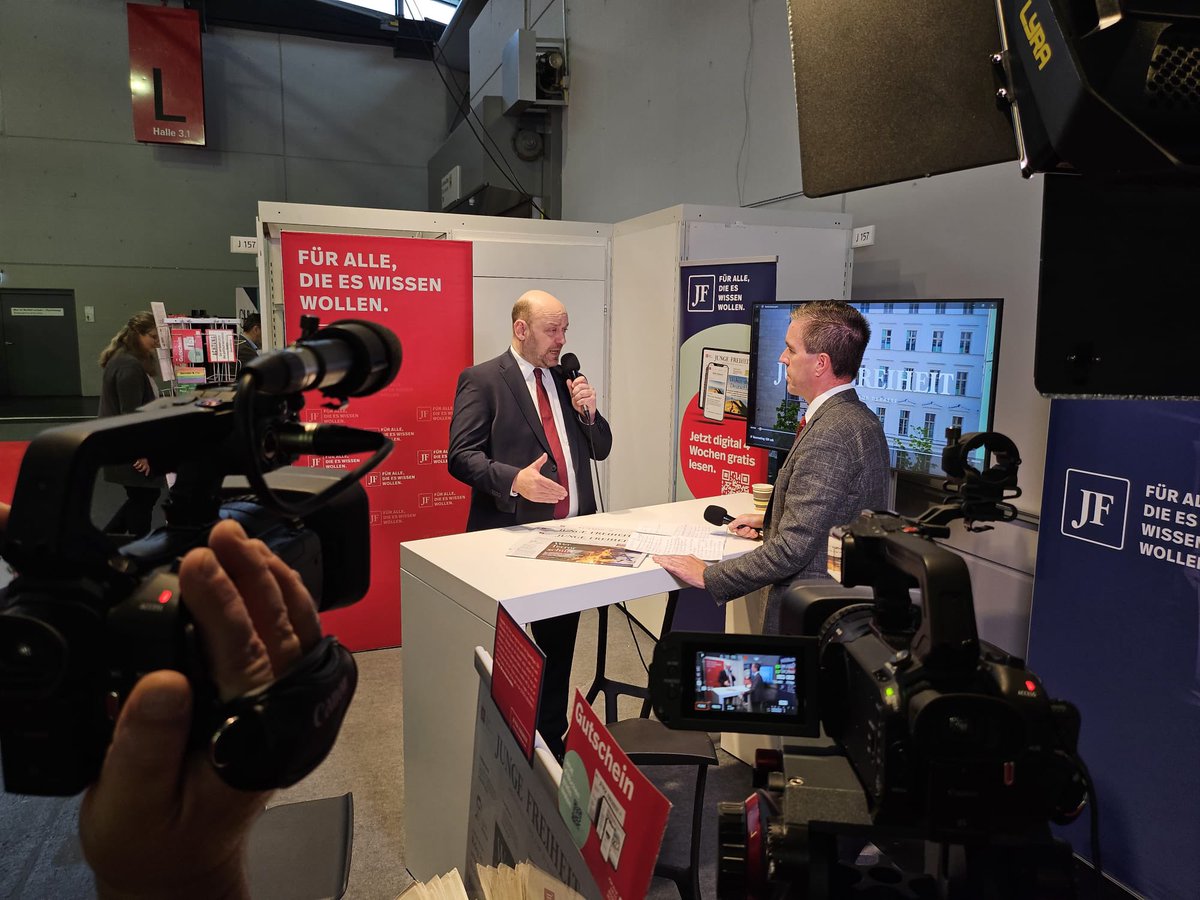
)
(255, 621)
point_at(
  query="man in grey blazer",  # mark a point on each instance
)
(837, 467)
(522, 436)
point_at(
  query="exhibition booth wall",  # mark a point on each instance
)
(620, 285)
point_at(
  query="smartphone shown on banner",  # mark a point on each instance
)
(716, 384)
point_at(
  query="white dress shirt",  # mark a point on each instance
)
(557, 411)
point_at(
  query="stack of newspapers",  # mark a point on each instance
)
(525, 882)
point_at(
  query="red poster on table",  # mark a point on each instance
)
(616, 817)
(421, 290)
(517, 668)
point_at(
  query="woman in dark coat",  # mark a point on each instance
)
(128, 362)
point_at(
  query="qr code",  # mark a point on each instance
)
(734, 482)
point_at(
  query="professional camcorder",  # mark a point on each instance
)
(86, 617)
(934, 738)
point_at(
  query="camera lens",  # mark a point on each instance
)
(33, 654)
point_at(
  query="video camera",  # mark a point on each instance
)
(85, 618)
(936, 735)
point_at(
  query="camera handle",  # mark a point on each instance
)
(274, 737)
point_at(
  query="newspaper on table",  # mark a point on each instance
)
(594, 546)
(441, 887)
(613, 547)
(525, 882)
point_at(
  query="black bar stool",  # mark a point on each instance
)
(611, 688)
(648, 742)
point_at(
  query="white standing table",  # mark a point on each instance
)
(450, 588)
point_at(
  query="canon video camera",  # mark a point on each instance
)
(85, 618)
(933, 734)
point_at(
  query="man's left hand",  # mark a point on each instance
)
(583, 398)
(688, 569)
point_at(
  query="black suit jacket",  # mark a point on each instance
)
(246, 352)
(496, 431)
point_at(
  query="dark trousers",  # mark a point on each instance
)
(556, 638)
(136, 512)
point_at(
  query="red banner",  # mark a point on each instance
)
(11, 454)
(166, 76)
(421, 290)
(615, 815)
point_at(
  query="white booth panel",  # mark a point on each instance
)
(518, 257)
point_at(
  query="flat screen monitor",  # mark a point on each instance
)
(930, 365)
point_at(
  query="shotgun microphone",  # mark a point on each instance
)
(349, 358)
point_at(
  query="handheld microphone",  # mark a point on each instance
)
(569, 364)
(348, 358)
(716, 515)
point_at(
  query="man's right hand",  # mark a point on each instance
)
(747, 526)
(531, 484)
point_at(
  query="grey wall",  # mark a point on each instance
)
(692, 101)
(85, 207)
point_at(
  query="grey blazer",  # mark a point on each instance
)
(496, 431)
(837, 468)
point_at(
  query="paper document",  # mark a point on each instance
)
(709, 546)
(704, 541)
(654, 528)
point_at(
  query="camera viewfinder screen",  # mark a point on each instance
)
(746, 683)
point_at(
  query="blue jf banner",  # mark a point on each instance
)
(1115, 626)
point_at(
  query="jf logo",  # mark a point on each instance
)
(1095, 508)
(702, 293)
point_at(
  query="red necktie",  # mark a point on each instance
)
(560, 461)
(799, 428)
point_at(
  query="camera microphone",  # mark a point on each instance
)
(348, 358)
(716, 515)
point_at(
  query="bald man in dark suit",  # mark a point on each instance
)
(522, 437)
(837, 467)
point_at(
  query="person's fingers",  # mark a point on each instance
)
(549, 489)
(539, 462)
(299, 602)
(237, 657)
(246, 563)
(140, 775)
